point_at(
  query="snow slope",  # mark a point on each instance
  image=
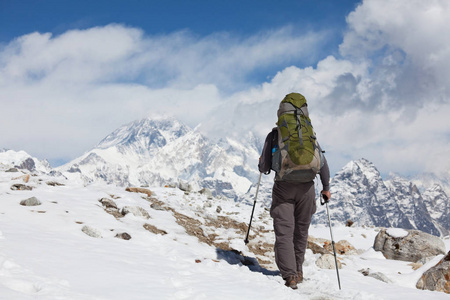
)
(45, 255)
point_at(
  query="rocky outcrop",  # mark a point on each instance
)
(437, 278)
(28, 164)
(111, 207)
(136, 211)
(139, 190)
(413, 246)
(21, 187)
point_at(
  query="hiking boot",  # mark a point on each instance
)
(291, 282)
(299, 277)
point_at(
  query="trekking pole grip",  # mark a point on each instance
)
(324, 199)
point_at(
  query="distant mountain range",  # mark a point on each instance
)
(160, 152)
(361, 195)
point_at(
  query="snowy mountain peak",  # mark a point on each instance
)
(22, 160)
(145, 134)
(161, 151)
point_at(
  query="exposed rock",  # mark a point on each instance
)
(54, 183)
(154, 229)
(111, 207)
(342, 247)
(326, 261)
(349, 223)
(184, 186)
(324, 246)
(108, 203)
(207, 192)
(438, 277)
(157, 206)
(21, 187)
(412, 247)
(218, 209)
(315, 245)
(123, 236)
(92, 232)
(28, 164)
(139, 190)
(136, 211)
(12, 170)
(33, 201)
(25, 178)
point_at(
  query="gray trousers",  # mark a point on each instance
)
(293, 205)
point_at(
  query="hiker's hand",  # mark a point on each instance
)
(326, 195)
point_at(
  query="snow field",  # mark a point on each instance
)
(45, 255)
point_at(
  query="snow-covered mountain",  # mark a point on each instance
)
(162, 152)
(361, 195)
(11, 160)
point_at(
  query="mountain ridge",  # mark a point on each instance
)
(160, 152)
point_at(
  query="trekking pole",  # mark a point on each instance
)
(253, 210)
(325, 201)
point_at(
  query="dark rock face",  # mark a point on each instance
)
(28, 164)
(412, 247)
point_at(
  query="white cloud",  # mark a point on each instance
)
(61, 94)
(385, 98)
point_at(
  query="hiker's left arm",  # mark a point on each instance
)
(325, 178)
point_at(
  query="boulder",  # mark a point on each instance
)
(408, 245)
(21, 187)
(108, 203)
(33, 201)
(437, 278)
(92, 232)
(136, 211)
(184, 186)
(123, 236)
(326, 261)
(342, 247)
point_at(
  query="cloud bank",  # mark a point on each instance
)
(385, 97)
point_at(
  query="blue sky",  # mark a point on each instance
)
(201, 18)
(376, 80)
(162, 17)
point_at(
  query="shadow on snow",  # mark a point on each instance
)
(234, 257)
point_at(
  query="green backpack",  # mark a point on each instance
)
(297, 156)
